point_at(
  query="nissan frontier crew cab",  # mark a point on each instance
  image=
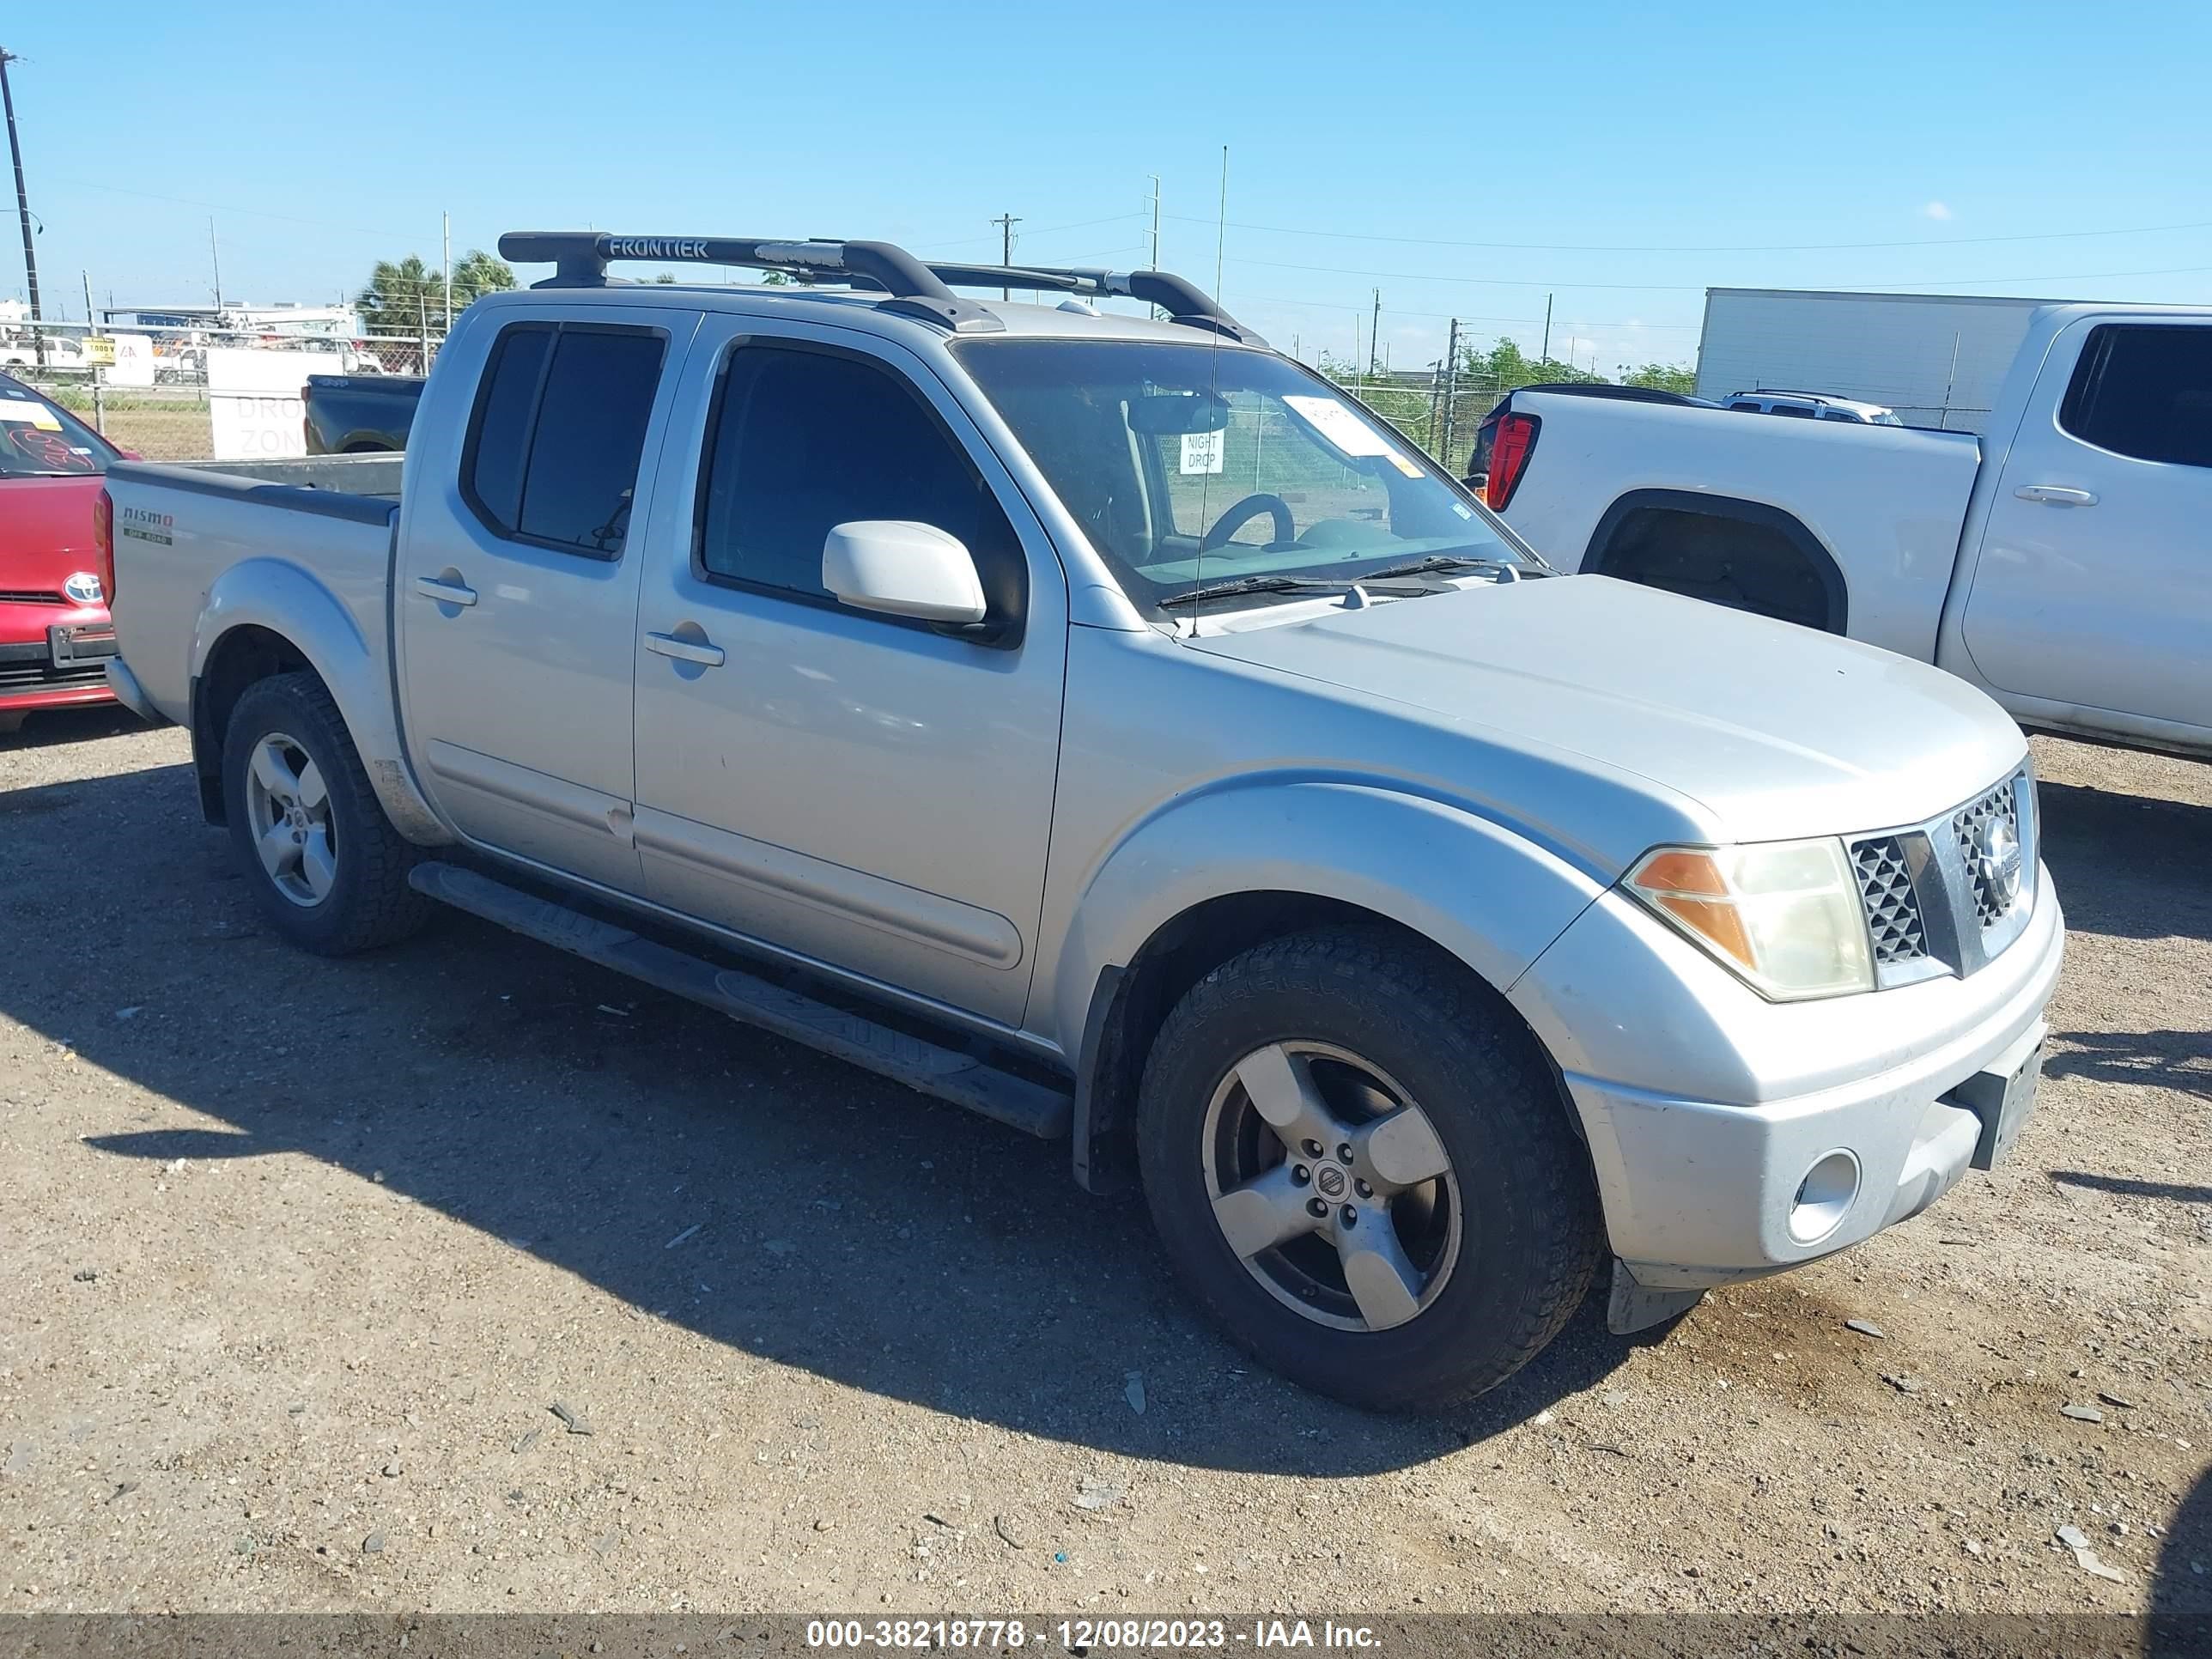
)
(1103, 722)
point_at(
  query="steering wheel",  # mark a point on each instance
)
(1287, 527)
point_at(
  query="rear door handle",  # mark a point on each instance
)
(445, 593)
(2057, 494)
(684, 650)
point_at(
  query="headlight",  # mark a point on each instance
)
(1785, 915)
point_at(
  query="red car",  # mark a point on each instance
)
(55, 635)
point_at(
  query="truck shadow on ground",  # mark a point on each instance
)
(2127, 867)
(750, 1190)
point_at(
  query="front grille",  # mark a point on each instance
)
(1970, 823)
(1893, 908)
(42, 677)
(20, 596)
(1934, 903)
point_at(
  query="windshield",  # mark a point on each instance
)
(39, 439)
(1189, 465)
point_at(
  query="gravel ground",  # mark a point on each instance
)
(467, 1277)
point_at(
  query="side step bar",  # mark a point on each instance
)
(945, 1072)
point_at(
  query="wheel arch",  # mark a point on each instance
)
(1286, 859)
(264, 617)
(1784, 536)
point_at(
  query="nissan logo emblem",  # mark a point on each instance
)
(2000, 858)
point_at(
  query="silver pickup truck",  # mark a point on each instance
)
(1101, 721)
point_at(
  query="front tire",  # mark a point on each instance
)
(1361, 1166)
(327, 870)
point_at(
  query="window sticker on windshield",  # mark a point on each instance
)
(37, 415)
(1344, 430)
(1463, 509)
(1202, 452)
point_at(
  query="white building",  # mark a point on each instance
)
(336, 322)
(1937, 359)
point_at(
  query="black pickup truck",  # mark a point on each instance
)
(356, 414)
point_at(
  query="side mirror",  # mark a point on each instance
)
(903, 570)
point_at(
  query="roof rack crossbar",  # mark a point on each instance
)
(579, 259)
(1181, 298)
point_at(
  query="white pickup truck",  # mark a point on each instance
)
(1104, 724)
(2062, 562)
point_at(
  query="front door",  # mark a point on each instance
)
(2095, 583)
(517, 592)
(866, 792)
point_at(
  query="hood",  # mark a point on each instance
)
(45, 532)
(1767, 730)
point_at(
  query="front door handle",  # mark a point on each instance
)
(684, 650)
(2057, 494)
(445, 593)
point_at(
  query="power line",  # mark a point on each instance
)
(1944, 282)
(1683, 247)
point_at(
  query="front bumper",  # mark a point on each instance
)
(1706, 1109)
(53, 656)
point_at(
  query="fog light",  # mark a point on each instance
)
(1824, 1197)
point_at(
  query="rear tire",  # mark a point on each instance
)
(326, 869)
(1483, 1190)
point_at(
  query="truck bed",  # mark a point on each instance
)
(189, 538)
(1887, 503)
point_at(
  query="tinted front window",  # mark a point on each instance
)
(806, 440)
(1188, 464)
(2144, 390)
(1797, 411)
(591, 437)
(39, 439)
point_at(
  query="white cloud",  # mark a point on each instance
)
(1938, 210)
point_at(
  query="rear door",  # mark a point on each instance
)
(516, 595)
(2094, 587)
(867, 791)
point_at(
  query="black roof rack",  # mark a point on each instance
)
(918, 289)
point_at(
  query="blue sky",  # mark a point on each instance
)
(1630, 155)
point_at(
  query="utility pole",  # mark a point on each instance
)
(23, 208)
(1451, 390)
(98, 374)
(1155, 178)
(446, 235)
(1547, 355)
(1005, 222)
(1375, 332)
(214, 257)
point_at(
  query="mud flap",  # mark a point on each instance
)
(1633, 1307)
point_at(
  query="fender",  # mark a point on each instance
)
(286, 600)
(1490, 897)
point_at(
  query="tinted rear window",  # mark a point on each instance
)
(2144, 390)
(559, 433)
(591, 437)
(507, 402)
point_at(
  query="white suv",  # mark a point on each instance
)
(1811, 405)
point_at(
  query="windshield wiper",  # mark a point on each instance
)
(1241, 584)
(1440, 562)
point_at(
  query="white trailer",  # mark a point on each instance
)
(1937, 359)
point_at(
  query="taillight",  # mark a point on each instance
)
(1509, 458)
(103, 543)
